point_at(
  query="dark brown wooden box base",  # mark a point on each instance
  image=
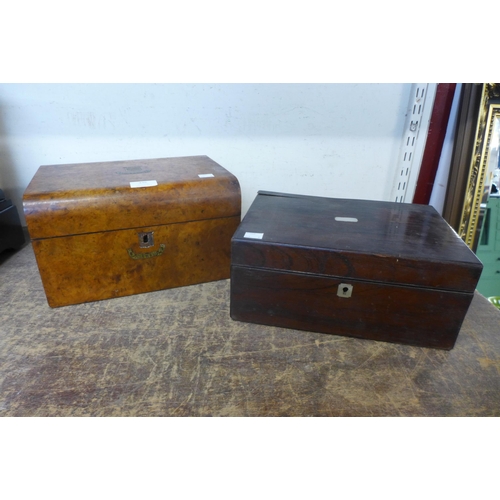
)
(391, 313)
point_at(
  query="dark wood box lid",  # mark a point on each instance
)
(361, 239)
(94, 197)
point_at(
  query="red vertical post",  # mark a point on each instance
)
(434, 143)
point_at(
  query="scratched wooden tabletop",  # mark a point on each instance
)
(178, 353)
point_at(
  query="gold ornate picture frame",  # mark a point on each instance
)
(482, 165)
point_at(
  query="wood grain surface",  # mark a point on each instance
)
(88, 267)
(86, 222)
(84, 198)
(412, 277)
(416, 316)
(178, 353)
(387, 242)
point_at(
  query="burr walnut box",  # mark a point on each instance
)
(384, 271)
(103, 230)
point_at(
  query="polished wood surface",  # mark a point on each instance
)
(416, 316)
(177, 353)
(88, 226)
(84, 198)
(98, 266)
(407, 267)
(390, 242)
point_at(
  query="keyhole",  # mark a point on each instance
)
(344, 290)
(146, 240)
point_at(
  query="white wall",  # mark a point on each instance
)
(337, 140)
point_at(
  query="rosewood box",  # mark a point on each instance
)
(376, 270)
(103, 230)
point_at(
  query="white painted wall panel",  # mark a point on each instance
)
(336, 140)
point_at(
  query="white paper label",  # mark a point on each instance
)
(143, 184)
(255, 236)
(346, 219)
(204, 176)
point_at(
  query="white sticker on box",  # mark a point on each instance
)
(255, 236)
(204, 176)
(346, 219)
(143, 184)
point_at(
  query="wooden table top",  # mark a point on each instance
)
(178, 353)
